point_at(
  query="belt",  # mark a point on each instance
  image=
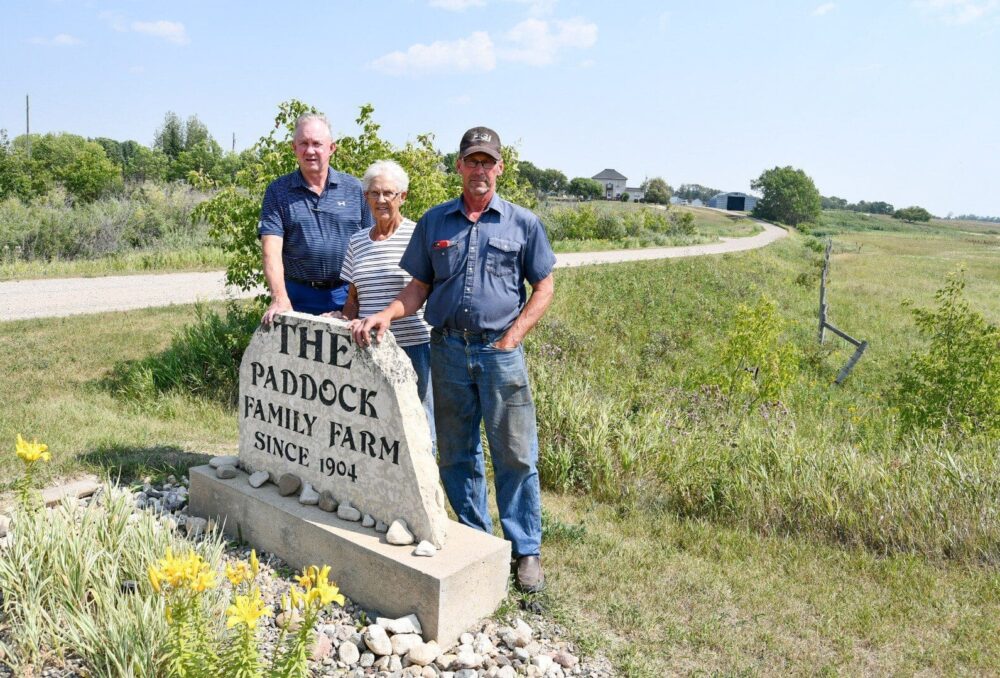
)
(318, 284)
(488, 336)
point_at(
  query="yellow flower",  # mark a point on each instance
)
(33, 451)
(254, 563)
(202, 581)
(155, 578)
(238, 573)
(188, 571)
(316, 583)
(246, 610)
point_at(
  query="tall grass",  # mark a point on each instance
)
(147, 216)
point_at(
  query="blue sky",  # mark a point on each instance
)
(876, 100)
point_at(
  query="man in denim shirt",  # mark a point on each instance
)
(469, 259)
(306, 222)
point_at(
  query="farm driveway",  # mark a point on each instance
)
(22, 299)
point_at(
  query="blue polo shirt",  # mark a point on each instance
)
(477, 270)
(316, 228)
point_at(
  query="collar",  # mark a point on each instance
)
(331, 178)
(496, 204)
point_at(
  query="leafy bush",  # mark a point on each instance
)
(954, 383)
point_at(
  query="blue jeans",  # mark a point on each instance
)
(475, 382)
(420, 356)
(306, 299)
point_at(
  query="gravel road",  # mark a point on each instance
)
(21, 299)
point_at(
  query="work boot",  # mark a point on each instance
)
(529, 576)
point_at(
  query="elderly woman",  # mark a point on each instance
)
(372, 269)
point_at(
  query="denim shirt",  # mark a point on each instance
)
(316, 229)
(477, 270)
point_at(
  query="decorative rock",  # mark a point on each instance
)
(522, 655)
(288, 484)
(467, 659)
(506, 672)
(381, 664)
(195, 526)
(321, 648)
(349, 654)
(225, 460)
(482, 644)
(424, 653)
(444, 661)
(377, 640)
(395, 664)
(565, 659)
(347, 512)
(381, 527)
(309, 496)
(225, 472)
(367, 659)
(327, 502)
(428, 672)
(466, 673)
(407, 624)
(465, 639)
(426, 549)
(542, 661)
(522, 633)
(4, 525)
(258, 478)
(367, 521)
(402, 643)
(399, 533)
(292, 619)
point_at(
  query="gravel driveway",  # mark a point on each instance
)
(59, 297)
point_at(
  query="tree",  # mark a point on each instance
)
(170, 136)
(913, 214)
(554, 181)
(696, 192)
(196, 133)
(657, 191)
(788, 196)
(585, 189)
(15, 179)
(624, 197)
(80, 166)
(145, 164)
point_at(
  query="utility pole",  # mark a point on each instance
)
(234, 142)
(27, 123)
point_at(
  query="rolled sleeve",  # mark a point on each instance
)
(415, 260)
(539, 259)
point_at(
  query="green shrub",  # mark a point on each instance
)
(953, 385)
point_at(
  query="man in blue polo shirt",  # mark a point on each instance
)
(306, 223)
(469, 259)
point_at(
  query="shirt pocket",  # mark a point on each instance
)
(445, 261)
(502, 256)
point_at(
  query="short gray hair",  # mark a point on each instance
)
(389, 169)
(310, 117)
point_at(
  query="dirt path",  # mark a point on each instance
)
(60, 297)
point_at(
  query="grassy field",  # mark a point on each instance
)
(682, 535)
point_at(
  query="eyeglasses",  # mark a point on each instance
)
(485, 164)
(388, 195)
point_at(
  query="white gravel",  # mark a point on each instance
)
(22, 299)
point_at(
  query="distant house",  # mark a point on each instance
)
(613, 183)
(635, 193)
(734, 202)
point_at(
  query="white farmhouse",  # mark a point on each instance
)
(613, 183)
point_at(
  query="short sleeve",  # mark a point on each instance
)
(415, 260)
(271, 222)
(539, 259)
(347, 270)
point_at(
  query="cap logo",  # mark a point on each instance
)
(481, 136)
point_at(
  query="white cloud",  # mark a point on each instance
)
(60, 40)
(171, 31)
(466, 55)
(537, 8)
(536, 42)
(958, 12)
(456, 5)
(825, 8)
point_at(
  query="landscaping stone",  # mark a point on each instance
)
(309, 496)
(226, 472)
(322, 647)
(327, 502)
(399, 533)
(402, 643)
(377, 640)
(367, 521)
(347, 512)
(258, 478)
(225, 460)
(381, 527)
(349, 654)
(288, 484)
(407, 624)
(195, 527)
(423, 654)
(426, 549)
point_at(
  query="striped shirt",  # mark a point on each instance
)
(373, 267)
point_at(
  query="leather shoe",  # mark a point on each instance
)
(529, 576)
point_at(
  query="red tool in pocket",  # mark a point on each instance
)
(441, 244)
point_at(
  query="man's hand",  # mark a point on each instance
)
(361, 329)
(277, 306)
(506, 342)
(333, 314)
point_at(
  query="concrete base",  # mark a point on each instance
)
(449, 592)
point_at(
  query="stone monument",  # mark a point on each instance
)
(334, 427)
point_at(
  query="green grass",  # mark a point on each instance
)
(682, 535)
(206, 258)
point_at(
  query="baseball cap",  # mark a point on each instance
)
(480, 140)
